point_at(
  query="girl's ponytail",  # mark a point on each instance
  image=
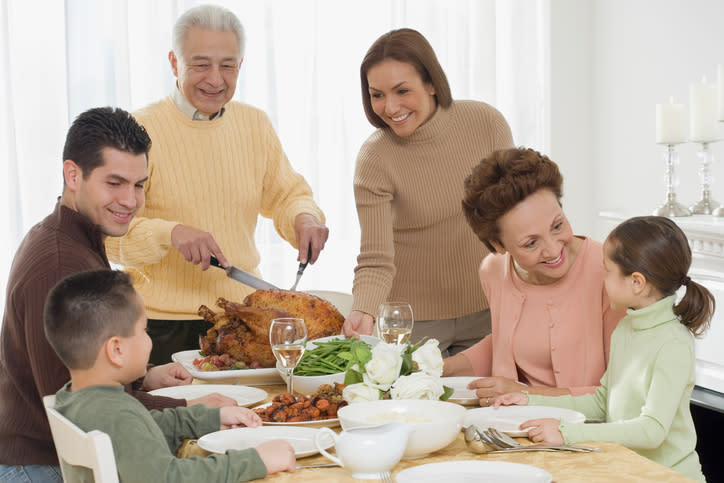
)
(696, 308)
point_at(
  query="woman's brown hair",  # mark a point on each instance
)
(501, 181)
(656, 247)
(409, 46)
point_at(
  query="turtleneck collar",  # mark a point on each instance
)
(429, 130)
(655, 314)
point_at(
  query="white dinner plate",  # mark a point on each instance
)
(472, 471)
(461, 394)
(267, 375)
(330, 423)
(301, 439)
(244, 395)
(509, 418)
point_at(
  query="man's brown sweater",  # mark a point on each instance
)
(64, 243)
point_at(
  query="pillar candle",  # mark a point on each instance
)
(720, 91)
(703, 103)
(670, 123)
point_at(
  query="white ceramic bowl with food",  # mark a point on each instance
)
(309, 384)
(435, 424)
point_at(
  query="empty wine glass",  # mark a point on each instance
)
(288, 338)
(394, 322)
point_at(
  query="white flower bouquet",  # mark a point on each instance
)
(391, 371)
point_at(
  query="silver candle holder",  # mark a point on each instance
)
(706, 205)
(671, 207)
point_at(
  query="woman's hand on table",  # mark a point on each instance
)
(544, 430)
(213, 400)
(237, 417)
(277, 455)
(489, 388)
(358, 323)
(167, 375)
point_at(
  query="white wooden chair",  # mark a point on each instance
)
(343, 301)
(76, 447)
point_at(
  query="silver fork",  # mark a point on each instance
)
(507, 442)
(386, 477)
(500, 439)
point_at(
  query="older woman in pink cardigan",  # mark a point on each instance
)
(551, 319)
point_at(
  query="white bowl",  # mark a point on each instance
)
(435, 424)
(309, 384)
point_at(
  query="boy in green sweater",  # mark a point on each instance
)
(96, 322)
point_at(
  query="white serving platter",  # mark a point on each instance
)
(267, 375)
(331, 423)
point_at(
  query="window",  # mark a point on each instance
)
(301, 67)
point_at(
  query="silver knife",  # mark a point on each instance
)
(318, 465)
(244, 277)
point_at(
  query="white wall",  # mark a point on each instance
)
(612, 61)
(569, 106)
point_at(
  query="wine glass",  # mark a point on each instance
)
(394, 322)
(288, 338)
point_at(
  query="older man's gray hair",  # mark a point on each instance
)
(209, 17)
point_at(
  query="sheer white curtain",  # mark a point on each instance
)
(301, 67)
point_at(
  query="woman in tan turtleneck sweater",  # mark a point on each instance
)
(416, 246)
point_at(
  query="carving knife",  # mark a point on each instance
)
(243, 277)
(302, 266)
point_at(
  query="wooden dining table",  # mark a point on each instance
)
(615, 463)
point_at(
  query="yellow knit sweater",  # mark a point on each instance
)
(416, 245)
(216, 176)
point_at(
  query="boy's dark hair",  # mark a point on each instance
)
(103, 127)
(85, 309)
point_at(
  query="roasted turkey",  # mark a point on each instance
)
(242, 330)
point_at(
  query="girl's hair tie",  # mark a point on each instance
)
(685, 281)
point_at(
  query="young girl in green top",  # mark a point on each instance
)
(643, 399)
